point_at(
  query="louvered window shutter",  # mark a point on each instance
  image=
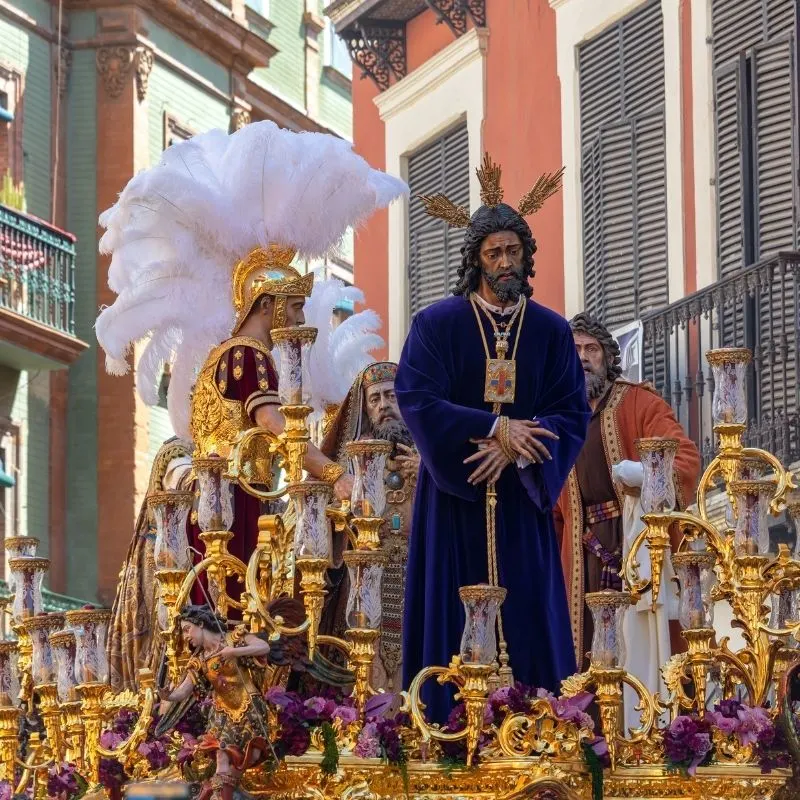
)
(623, 168)
(434, 249)
(755, 97)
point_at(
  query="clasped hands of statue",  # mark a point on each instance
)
(525, 437)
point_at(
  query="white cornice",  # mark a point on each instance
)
(433, 72)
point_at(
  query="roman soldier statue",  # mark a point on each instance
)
(204, 248)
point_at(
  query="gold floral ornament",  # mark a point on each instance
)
(489, 175)
(268, 271)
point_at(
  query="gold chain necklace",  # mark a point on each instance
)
(501, 373)
(498, 389)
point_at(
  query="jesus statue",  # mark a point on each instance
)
(492, 391)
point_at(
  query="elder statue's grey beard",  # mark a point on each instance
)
(595, 385)
(506, 291)
(394, 431)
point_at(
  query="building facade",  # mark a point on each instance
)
(677, 123)
(92, 91)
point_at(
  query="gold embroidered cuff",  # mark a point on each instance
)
(332, 472)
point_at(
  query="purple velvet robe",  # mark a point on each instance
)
(440, 389)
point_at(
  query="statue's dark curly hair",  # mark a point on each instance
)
(204, 617)
(591, 326)
(486, 221)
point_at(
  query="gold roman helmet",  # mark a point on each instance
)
(268, 271)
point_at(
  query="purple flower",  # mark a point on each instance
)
(111, 739)
(155, 753)
(186, 753)
(368, 744)
(728, 725)
(753, 724)
(318, 708)
(279, 697)
(729, 708)
(112, 773)
(573, 709)
(381, 705)
(600, 747)
(687, 742)
(391, 743)
(6, 791)
(295, 738)
(346, 714)
(62, 782)
(125, 722)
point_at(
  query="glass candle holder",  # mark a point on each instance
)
(312, 532)
(17, 546)
(479, 639)
(658, 485)
(215, 503)
(43, 669)
(9, 676)
(294, 349)
(608, 612)
(368, 460)
(365, 569)
(89, 626)
(62, 644)
(729, 367)
(170, 510)
(695, 571)
(752, 498)
(786, 610)
(27, 575)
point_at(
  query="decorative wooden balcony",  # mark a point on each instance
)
(756, 308)
(37, 293)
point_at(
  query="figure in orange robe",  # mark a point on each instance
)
(598, 507)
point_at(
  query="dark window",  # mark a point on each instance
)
(623, 168)
(434, 249)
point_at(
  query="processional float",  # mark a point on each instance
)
(730, 706)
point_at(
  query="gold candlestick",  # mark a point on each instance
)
(700, 660)
(169, 583)
(657, 537)
(367, 532)
(362, 655)
(475, 694)
(312, 588)
(74, 733)
(92, 696)
(51, 717)
(608, 692)
(295, 439)
(9, 741)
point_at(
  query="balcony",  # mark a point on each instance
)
(758, 309)
(37, 293)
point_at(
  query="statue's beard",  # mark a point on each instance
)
(595, 385)
(394, 431)
(507, 291)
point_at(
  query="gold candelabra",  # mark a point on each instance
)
(727, 561)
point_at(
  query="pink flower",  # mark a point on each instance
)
(346, 714)
(368, 744)
(6, 791)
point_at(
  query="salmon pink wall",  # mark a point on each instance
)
(371, 266)
(522, 126)
(521, 130)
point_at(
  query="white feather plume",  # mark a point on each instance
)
(179, 228)
(339, 354)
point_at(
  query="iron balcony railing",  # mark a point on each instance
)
(756, 308)
(37, 270)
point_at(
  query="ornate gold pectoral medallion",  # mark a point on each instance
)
(501, 380)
